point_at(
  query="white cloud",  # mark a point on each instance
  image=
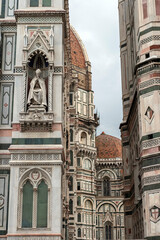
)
(97, 24)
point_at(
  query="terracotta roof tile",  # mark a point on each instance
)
(78, 58)
(108, 146)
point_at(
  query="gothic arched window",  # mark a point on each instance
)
(42, 206)
(88, 219)
(108, 231)
(84, 138)
(27, 205)
(79, 232)
(29, 200)
(79, 217)
(87, 164)
(106, 187)
(78, 201)
(34, 200)
(71, 158)
(71, 206)
(71, 135)
(71, 183)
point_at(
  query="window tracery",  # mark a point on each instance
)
(88, 219)
(108, 231)
(87, 164)
(106, 187)
(34, 200)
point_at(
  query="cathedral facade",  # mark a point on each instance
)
(140, 129)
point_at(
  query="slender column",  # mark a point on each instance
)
(34, 224)
(50, 90)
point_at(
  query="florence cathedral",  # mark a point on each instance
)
(58, 178)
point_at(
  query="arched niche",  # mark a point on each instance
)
(38, 60)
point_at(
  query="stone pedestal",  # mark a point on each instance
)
(36, 119)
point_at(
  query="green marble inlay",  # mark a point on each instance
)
(148, 30)
(153, 238)
(150, 89)
(148, 69)
(150, 162)
(35, 141)
(148, 137)
(151, 187)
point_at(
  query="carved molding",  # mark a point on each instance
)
(40, 20)
(149, 83)
(150, 143)
(36, 119)
(7, 78)
(35, 157)
(151, 180)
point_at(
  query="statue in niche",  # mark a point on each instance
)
(37, 92)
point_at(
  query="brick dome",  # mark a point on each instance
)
(108, 146)
(78, 52)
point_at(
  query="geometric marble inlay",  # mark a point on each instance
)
(149, 114)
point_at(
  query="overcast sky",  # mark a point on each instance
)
(96, 22)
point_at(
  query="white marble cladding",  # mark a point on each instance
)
(53, 174)
(3, 201)
(35, 157)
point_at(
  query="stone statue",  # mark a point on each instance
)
(37, 92)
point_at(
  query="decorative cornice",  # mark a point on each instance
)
(39, 13)
(35, 163)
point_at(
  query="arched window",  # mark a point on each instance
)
(71, 158)
(27, 206)
(88, 219)
(71, 183)
(79, 217)
(78, 186)
(79, 232)
(84, 138)
(108, 231)
(87, 164)
(29, 201)
(34, 199)
(71, 206)
(78, 201)
(106, 187)
(71, 135)
(42, 206)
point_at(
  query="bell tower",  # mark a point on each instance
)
(32, 83)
